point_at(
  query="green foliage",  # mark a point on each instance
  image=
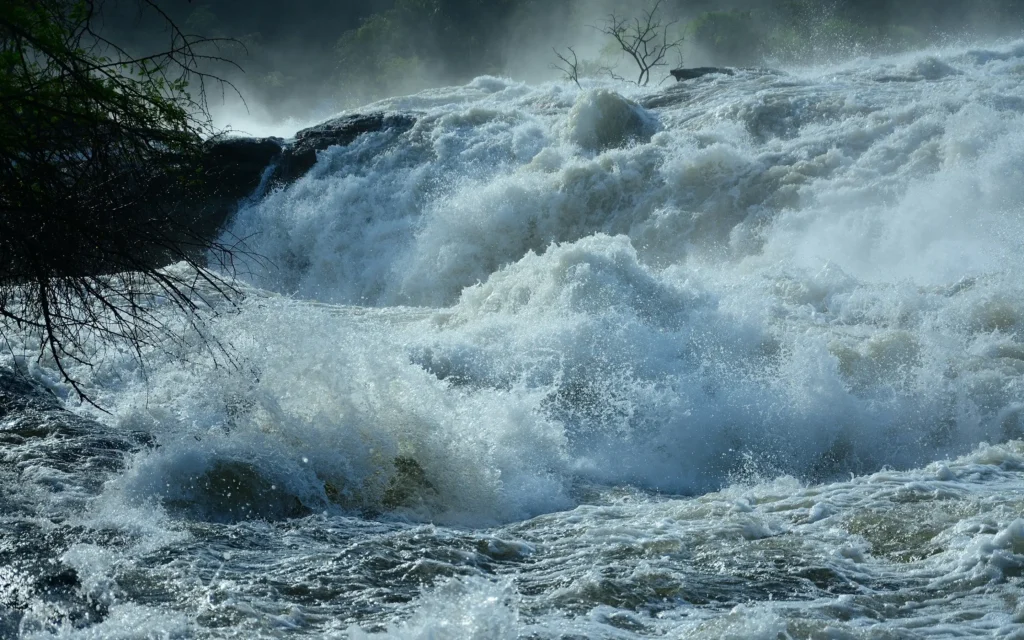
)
(67, 93)
(379, 57)
(731, 37)
(805, 31)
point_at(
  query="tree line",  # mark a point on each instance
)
(783, 31)
(343, 53)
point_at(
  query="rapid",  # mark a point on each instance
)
(739, 357)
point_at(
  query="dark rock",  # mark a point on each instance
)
(238, 163)
(698, 72)
(19, 393)
(234, 491)
(300, 156)
(408, 486)
(234, 168)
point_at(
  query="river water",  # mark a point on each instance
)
(741, 357)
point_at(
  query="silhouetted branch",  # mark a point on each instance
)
(644, 39)
(100, 175)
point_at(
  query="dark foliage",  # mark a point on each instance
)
(316, 56)
(100, 157)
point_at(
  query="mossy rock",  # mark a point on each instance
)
(408, 486)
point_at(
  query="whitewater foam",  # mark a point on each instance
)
(808, 274)
(556, 312)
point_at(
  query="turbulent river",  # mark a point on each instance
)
(740, 357)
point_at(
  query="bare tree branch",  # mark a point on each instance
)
(570, 69)
(100, 155)
(644, 39)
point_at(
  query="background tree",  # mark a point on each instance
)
(732, 37)
(645, 39)
(100, 151)
(570, 69)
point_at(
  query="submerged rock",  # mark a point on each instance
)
(603, 120)
(408, 486)
(234, 491)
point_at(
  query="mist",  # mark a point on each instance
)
(303, 61)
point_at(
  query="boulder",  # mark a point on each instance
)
(238, 163)
(602, 120)
(232, 169)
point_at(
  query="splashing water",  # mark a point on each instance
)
(713, 361)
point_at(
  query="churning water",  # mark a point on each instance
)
(741, 357)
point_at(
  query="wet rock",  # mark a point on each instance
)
(237, 164)
(19, 393)
(698, 72)
(300, 155)
(233, 491)
(234, 168)
(231, 169)
(408, 486)
(602, 120)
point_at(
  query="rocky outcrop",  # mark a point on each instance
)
(231, 169)
(699, 72)
(238, 163)
(300, 155)
(234, 168)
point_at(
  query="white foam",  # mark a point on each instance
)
(602, 119)
(124, 622)
(469, 609)
(810, 275)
